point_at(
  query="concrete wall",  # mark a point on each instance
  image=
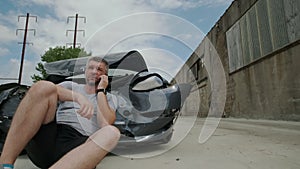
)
(268, 87)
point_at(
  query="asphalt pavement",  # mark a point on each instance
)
(235, 144)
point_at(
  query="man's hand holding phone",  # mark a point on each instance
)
(103, 82)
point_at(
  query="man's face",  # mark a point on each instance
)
(93, 72)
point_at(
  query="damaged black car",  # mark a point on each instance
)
(148, 105)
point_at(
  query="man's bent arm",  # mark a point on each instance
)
(106, 116)
(86, 107)
(65, 94)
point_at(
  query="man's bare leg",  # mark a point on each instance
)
(89, 154)
(37, 108)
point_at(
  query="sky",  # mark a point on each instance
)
(165, 32)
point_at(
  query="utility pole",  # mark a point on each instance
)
(75, 29)
(24, 42)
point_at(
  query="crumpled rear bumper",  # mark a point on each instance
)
(161, 137)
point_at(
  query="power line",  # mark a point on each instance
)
(75, 29)
(24, 41)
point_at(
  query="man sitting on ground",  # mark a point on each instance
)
(83, 118)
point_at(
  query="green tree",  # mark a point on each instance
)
(56, 54)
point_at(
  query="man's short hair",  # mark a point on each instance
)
(98, 59)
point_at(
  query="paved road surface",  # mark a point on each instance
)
(236, 144)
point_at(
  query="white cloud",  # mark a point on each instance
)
(184, 4)
(12, 71)
(163, 62)
(122, 24)
(50, 33)
(7, 35)
(139, 30)
(31, 3)
(4, 51)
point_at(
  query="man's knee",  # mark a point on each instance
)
(113, 132)
(43, 88)
(107, 137)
